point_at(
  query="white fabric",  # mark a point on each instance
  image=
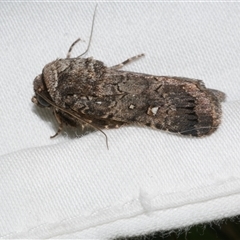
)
(149, 180)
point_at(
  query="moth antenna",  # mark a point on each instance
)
(90, 39)
(73, 115)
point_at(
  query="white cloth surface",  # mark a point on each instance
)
(149, 180)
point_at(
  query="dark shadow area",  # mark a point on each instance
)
(226, 229)
(46, 114)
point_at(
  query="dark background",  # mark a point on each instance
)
(226, 229)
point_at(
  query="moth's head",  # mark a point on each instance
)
(39, 89)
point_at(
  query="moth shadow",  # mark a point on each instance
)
(67, 131)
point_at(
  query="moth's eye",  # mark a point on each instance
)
(42, 102)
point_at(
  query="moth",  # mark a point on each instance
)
(85, 91)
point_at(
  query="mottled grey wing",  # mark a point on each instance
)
(167, 103)
(100, 94)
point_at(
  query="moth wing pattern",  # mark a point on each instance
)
(108, 98)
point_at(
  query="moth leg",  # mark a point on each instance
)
(60, 123)
(71, 47)
(118, 66)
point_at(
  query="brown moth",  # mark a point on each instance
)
(84, 90)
